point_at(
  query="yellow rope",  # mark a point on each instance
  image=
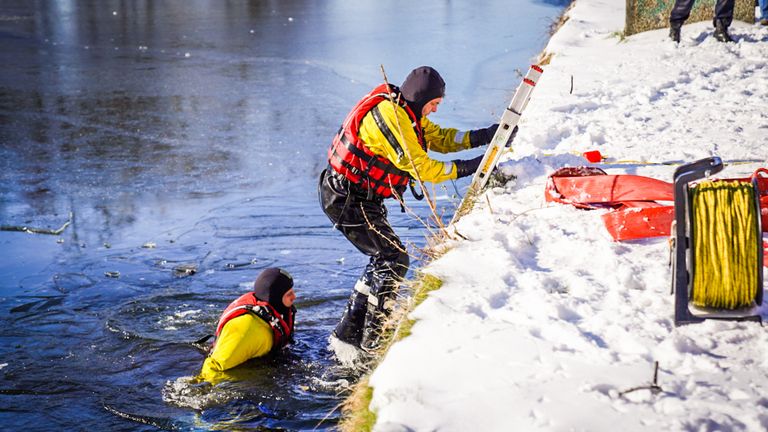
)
(725, 244)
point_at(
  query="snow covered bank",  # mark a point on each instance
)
(543, 321)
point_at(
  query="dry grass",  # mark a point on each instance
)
(545, 57)
(355, 415)
(555, 25)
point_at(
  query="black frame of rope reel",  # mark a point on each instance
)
(683, 263)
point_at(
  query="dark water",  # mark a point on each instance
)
(191, 133)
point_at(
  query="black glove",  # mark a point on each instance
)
(482, 136)
(467, 167)
(512, 137)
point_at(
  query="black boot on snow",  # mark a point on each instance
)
(721, 32)
(674, 33)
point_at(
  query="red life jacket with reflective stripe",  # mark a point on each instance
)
(350, 157)
(282, 330)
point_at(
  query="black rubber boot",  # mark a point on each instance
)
(721, 32)
(375, 318)
(381, 302)
(350, 328)
(674, 32)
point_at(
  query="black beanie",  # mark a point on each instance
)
(421, 86)
(270, 287)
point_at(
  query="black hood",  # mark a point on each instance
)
(421, 86)
(270, 287)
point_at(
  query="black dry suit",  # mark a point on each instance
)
(363, 221)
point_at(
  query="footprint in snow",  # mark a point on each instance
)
(477, 310)
(498, 300)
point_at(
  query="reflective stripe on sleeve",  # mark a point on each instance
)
(448, 167)
(459, 138)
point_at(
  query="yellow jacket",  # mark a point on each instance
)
(242, 338)
(441, 140)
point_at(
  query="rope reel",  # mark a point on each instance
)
(725, 238)
(718, 256)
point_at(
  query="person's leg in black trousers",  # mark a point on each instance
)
(364, 223)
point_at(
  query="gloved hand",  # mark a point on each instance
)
(512, 137)
(482, 136)
(467, 167)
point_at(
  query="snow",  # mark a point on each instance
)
(543, 321)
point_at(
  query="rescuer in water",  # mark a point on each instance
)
(380, 148)
(255, 324)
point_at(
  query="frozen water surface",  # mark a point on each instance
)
(189, 135)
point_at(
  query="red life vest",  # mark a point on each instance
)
(350, 157)
(282, 330)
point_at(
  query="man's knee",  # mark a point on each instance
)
(395, 264)
(402, 262)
